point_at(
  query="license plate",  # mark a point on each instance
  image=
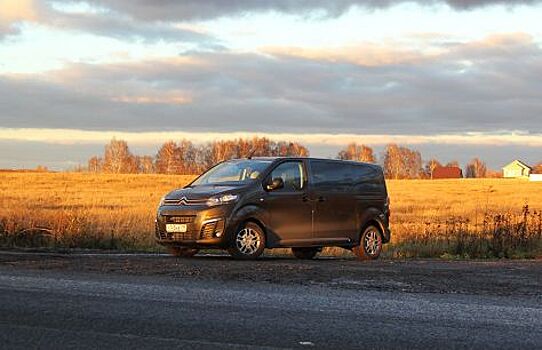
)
(176, 228)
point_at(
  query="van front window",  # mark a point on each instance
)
(233, 172)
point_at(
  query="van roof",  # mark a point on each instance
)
(324, 159)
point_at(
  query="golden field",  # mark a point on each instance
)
(463, 218)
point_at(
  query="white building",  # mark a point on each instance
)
(516, 169)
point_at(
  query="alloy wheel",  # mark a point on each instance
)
(372, 242)
(248, 241)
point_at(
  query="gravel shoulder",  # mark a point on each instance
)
(491, 278)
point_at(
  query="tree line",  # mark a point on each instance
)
(184, 157)
(400, 162)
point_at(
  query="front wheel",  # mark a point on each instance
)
(182, 252)
(370, 244)
(248, 242)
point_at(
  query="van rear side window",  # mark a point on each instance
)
(336, 176)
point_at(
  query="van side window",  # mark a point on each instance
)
(292, 174)
(334, 176)
(330, 175)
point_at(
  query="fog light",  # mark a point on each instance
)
(213, 228)
(219, 229)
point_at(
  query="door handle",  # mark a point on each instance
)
(321, 199)
(305, 199)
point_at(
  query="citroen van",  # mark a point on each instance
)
(247, 205)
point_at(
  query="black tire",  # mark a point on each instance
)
(182, 252)
(248, 242)
(370, 244)
(305, 253)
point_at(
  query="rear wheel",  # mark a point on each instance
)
(370, 245)
(305, 253)
(248, 242)
(183, 252)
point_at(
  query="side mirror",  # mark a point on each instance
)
(276, 184)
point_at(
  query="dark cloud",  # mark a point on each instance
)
(173, 10)
(126, 28)
(108, 23)
(486, 86)
(155, 19)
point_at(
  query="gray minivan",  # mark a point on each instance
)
(247, 205)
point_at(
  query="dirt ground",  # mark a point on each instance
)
(506, 277)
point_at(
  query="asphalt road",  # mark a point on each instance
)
(51, 309)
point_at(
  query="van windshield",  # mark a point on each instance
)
(233, 172)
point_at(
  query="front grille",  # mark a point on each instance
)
(185, 201)
(184, 236)
(185, 219)
(178, 236)
(192, 233)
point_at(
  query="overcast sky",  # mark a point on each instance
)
(454, 79)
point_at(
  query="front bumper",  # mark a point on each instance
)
(205, 227)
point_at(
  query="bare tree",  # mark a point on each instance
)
(537, 169)
(453, 163)
(402, 162)
(228, 149)
(430, 167)
(188, 155)
(42, 169)
(494, 174)
(476, 169)
(118, 159)
(186, 158)
(289, 149)
(168, 159)
(221, 150)
(360, 153)
(95, 164)
(145, 164)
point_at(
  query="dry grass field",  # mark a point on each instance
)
(482, 218)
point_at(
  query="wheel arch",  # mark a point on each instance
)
(249, 213)
(372, 217)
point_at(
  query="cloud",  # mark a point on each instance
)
(481, 86)
(74, 136)
(169, 10)
(122, 27)
(397, 53)
(13, 12)
(102, 21)
(172, 98)
(170, 20)
(368, 54)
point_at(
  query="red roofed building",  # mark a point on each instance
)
(447, 172)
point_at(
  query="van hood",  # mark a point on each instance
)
(201, 192)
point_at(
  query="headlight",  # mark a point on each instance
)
(225, 199)
(162, 201)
